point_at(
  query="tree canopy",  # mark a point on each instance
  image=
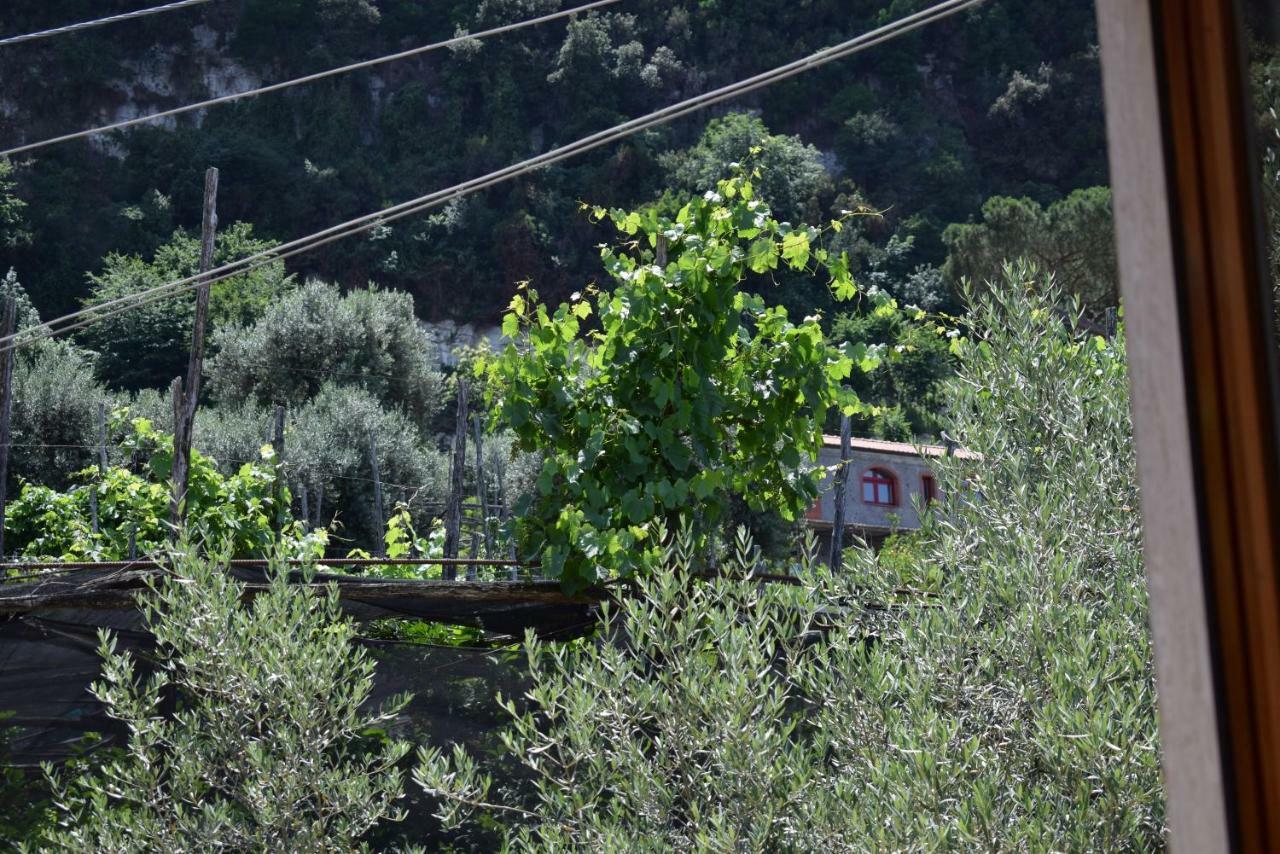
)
(1072, 237)
(147, 346)
(657, 400)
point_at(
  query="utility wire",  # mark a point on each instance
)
(310, 78)
(85, 317)
(100, 22)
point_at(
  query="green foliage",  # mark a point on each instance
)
(792, 174)
(327, 447)
(13, 229)
(1073, 237)
(148, 346)
(685, 717)
(1002, 100)
(241, 509)
(273, 746)
(684, 390)
(905, 388)
(367, 339)
(55, 413)
(1012, 708)
(1022, 706)
(24, 805)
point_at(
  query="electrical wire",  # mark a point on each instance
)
(309, 78)
(100, 22)
(86, 317)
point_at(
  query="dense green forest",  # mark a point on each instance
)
(1003, 100)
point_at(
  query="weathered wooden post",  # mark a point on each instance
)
(6, 404)
(457, 476)
(186, 397)
(277, 445)
(102, 464)
(841, 483)
(306, 507)
(102, 437)
(379, 519)
(482, 484)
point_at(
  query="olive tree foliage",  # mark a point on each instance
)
(1009, 704)
(327, 448)
(1072, 237)
(683, 391)
(1019, 711)
(679, 734)
(148, 346)
(316, 335)
(55, 412)
(55, 401)
(268, 749)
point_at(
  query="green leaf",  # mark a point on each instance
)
(795, 249)
(762, 255)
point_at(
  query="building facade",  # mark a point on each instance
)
(889, 484)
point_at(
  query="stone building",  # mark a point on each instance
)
(889, 483)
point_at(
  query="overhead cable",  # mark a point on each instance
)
(309, 78)
(99, 22)
(102, 311)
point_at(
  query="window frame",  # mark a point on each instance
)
(877, 476)
(928, 489)
(1202, 373)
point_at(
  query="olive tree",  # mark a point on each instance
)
(316, 335)
(268, 749)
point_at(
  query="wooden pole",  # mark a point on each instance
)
(178, 489)
(187, 397)
(380, 525)
(277, 445)
(10, 323)
(306, 507)
(102, 464)
(319, 503)
(841, 483)
(453, 515)
(482, 485)
(101, 437)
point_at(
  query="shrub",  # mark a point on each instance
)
(55, 413)
(327, 448)
(270, 747)
(678, 731)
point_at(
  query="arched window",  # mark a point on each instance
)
(879, 486)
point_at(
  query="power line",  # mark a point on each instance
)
(310, 78)
(85, 317)
(99, 22)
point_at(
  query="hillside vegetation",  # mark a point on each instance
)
(1003, 100)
